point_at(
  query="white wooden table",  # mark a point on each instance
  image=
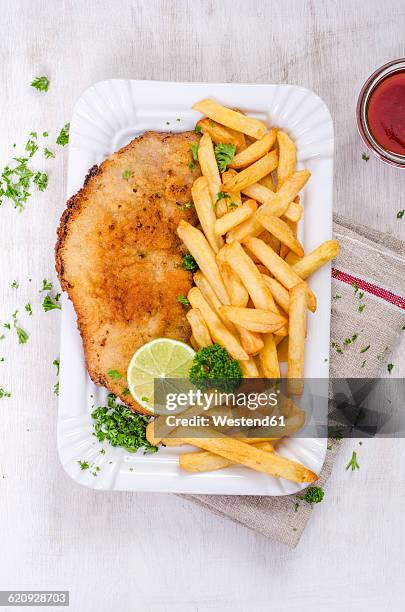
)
(157, 552)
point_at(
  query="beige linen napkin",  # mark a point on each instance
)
(368, 307)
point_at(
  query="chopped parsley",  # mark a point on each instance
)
(192, 165)
(4, 393)
(48, 153)
(183, 300)
(337, 347)
(221, 195)
(21, 333)
(400, 214)
(314, 495)
(126, 175)
(28, 309)
(365, 348)
(14, 285)
(337, 297)
(50, 303)
(224, 154)
(41, 180)
(353, 463)
(31, 147)
(56, 363)
(15, 181)
(390, 367)
(232, 205)
(114, 374)
(121, 427)
(348, 341)
(144, 398)
(194, 151)
(365, 157)
(197, 129)
(125, 392)
(355, 287)
(63, 137)
(187, 206)
(361, 307)
(46, 285)
(41, 83)
(84, 465)
(189, 263)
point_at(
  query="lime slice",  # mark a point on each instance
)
(160, 358)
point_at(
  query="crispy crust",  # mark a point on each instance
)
(118, 297)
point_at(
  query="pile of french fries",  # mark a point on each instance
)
(250, 294)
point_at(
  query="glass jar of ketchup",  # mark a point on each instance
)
(381, 113)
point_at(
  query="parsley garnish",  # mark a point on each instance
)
(56, 363)
(390, 367)
(189, 263)
(353, 463)
(224, 154)
(192, 165)
(28, 308)
(50, 303)
(121, 427)
(183, 300)
(361, 307)
(313, 495)
(83, 464)
(114, 374)
(221, 195)
(31, 147)
(125, 392)
(194, 151)
(365, 157)
(197, 129)
(365, 348)
(48, 153)
(400, 214)
(187, 205)
(41, 180)
(21, 333)
(337, 297)
(232, 205)
(4, 393)
(355, 287)
(63, 137)
(126, 175)
(15, 182)
(14, 285)
(46, 285)
(41, 83)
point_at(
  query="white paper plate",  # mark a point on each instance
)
(106, 117)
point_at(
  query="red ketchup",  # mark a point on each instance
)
(386, 113)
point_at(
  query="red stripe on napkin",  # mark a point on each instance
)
(384, 294)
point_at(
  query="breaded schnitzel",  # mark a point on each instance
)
(118, 255)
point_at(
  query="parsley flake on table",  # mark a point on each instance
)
(28, 309)
(390, 367)
(121, 427)
(4, 393)
(21, 333)
(353, 463)
(365, 348)
(46, 285)
(41, 180)
(361, 307)
(14, 285)
(31, 147)
(56, 363)
(48, 153)
(114, 374)
(224, 154)
(50, 303)
(365, 157)
(400, 214)
(63, 137)
(41, 83)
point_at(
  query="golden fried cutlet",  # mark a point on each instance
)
(118, 255)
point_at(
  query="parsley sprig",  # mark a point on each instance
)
(224, 154)
(41, 83)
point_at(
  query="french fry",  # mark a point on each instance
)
(251, 227)
(279, 203)
(252, 174)
(254, 151)
(316, 259)
(209, 295)
(205, 211)
(282, 350)
(235, 217)
(204, 461)
(251, 341)
(250, 276)
(254, 458)
(268, 358)
(230, 118)
(219, 134)
(199, 329)
(265, 196)
(268, 182)
(280, 294)
(234, 197)
(287, 158)
(218, 332)
(278, 267)
(253, 319)
(291, 258)
(249, 368)
(209, 168)
(279, 228)
(199, 248)
(193, 343)
(296, 337)
(238, 296)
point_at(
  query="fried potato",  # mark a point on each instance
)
(279, 228)
(238, 296)
(282, 350)
(199, 329)
(287, 163)
(252, 174)
(235, 217)
(249, 368)
(259, 460)
(205, 211)
(218, 332)
(278, 267)
(279, 202)
(250, 276)
(233, 197)
(199, 248)
(268, 358)
(268, 182)
(204, 461)
(194, 343)
(254, 151)
(251, 227)
(209, 168)
(316, 259)
(230, 118)
(265, 196)
(296, 337)
(219, 134)
(208, 293)
(280, 294)
(254, 319)
(291, 258)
